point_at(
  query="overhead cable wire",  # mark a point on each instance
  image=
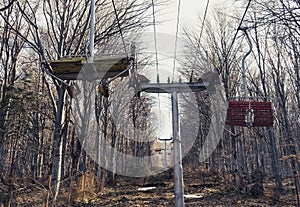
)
(156, 57)
(155, 40)
(92, 31)
(200, 36)
(176, 38)
(119, 25)
(237, 31)
(203, 21)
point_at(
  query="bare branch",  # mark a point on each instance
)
(7, 6)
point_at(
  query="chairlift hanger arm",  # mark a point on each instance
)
(46, 66)
(244, 29)
(120, 74)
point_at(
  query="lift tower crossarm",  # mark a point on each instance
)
(170, 87)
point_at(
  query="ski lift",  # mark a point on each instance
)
(248, 112)
(114, 66)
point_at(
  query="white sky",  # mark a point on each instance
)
(190, 11)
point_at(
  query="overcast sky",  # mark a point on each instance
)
(190, 11)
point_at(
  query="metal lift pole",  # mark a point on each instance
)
(174, 89)
(92, 31)
(178, 177)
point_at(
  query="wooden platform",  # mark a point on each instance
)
(78, 67)
(236, 112)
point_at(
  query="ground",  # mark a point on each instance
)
(158, 190)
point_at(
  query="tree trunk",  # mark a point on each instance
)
(234, 158)
(58, 143)
(275, 164)
(257, 190)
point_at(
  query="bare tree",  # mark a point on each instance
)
(52, 30)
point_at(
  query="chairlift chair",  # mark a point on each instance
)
(249, 114)
(70, 68)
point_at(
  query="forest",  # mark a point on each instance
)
(116, 158)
